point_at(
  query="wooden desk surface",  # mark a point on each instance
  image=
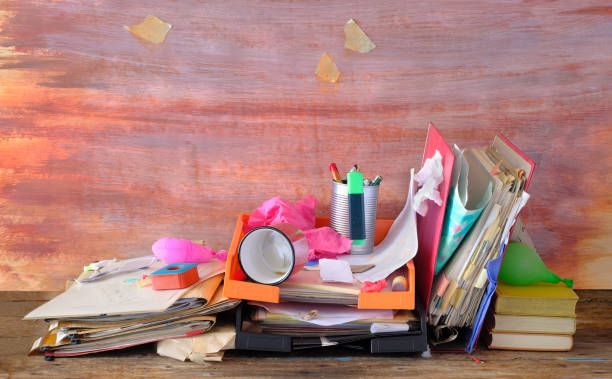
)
(591, 356)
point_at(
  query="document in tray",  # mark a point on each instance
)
(324, 314)
(307, 286)
(117, 295)
(262, 320)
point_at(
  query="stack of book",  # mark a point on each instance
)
(540, 316)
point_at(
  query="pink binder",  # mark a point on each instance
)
(430, 227)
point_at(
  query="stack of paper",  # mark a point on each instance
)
(308, 287)
(114, 312)
(328, 321)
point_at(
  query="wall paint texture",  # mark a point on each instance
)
(108, 143)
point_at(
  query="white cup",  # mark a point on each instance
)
(270, 254)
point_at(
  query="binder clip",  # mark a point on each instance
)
(175, 276)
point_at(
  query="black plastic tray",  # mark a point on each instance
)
(414, 342)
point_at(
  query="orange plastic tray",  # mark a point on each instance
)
(237, 287)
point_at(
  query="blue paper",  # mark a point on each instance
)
(457, 223)
(492, 272)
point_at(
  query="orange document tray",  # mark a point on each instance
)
(236, 286)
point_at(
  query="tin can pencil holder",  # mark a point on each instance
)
(339, 218)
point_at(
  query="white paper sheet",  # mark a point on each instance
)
(429, 178)
(326, 342)
(379, 327)
(333, 270)
(115, 296)
(128, 265)
(325, 314)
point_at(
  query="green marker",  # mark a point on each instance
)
(356, 207)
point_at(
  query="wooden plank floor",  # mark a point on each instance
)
(591, 356)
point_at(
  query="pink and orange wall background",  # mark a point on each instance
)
(108, 143)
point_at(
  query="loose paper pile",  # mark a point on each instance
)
(115, 313)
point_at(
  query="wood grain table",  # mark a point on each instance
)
(590, 357)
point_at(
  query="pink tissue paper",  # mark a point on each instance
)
(325, 242)
(277, 210)
(374, 286)
(322, 242)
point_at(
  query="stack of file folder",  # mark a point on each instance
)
(305, 312)
(458, 292)
(114, 312)
(260, 329)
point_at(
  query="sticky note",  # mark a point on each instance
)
(327, 69)
(355, 39)
(151, 29)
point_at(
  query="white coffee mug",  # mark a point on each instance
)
(270, 254)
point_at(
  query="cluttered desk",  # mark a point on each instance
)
(132, 130)
(423, 283)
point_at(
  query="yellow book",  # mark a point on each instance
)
(540, 299)
(535, 342)
(497, 323)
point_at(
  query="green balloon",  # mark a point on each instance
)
(522, 266)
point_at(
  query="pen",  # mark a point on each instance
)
(335, 174)
(376, 181)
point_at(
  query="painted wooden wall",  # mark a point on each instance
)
(108, 143)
